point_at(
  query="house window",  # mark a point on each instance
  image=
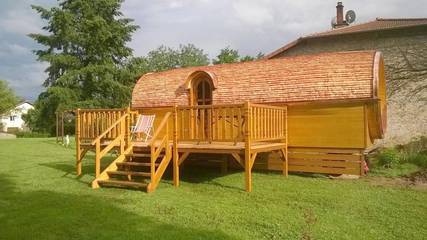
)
(203, 93)
(12, 118)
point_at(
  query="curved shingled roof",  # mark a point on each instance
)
(325, 76)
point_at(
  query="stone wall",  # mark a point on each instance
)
(405, 58)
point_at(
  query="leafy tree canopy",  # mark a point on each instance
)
(165, 58)
(85, 47)
(228, 55)
(8, 99)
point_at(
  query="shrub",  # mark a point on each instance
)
(419, 159)
(415, 152)
(31, 135)
(388, 157)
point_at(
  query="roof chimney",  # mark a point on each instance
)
(340, 16)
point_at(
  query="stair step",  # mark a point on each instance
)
(126, 173)
(138, 155)
(118, 183)
(136, 164)
(141, 155)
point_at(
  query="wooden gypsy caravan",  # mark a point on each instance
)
(313, 113)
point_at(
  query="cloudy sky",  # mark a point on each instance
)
(250, 26)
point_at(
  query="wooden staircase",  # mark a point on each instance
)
(133, 172)
(140, 165)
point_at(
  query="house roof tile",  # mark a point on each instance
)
(379, 24)
(325, 76)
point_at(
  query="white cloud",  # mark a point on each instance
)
(247, 25)
(21, 22)
(254, 12)
(12, 49)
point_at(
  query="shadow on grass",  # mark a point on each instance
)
(88, 167)
(207, 174)
(53, 215)
(191, 173)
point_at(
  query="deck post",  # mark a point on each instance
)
(248, 173)
(175, 148)
(97, 159)
(78, 149)
(62, 127)
(127, 127)
(286, 159)
(57, 127)
(123, 141)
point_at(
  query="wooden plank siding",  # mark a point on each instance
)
(318, 160)
(336, 126)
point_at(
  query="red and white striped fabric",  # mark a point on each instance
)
(144, 124)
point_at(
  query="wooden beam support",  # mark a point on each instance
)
(97, 159)
(175, 149)
(253, 159)
(238, 159)
(62, 127)
(183, 157)
(78, 149)
(285, 168)
(248, 172)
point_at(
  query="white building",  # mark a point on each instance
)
(13, 119)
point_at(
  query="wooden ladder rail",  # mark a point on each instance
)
(90, 123)
(122, 140)
(157, 149)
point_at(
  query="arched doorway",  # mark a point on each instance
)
(200, 85)
(202, 92)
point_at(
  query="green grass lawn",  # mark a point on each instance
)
(42, 198)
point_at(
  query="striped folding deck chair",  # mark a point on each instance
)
(144, 125)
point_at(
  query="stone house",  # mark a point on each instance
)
(403, 43)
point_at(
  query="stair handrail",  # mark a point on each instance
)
(119, 140)
(159, 128)
(156, 174)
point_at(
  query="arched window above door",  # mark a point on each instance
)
(201, 86)
(202, 92)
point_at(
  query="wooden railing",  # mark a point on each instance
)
(268, 122)
(221, 123)
(226, 123)
(93, 122)
(159, 144)
(116, 135)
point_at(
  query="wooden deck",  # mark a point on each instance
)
(217, 147)
(241, 130)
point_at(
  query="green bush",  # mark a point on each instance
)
(31, 135)
(419, 159)
(388, 157)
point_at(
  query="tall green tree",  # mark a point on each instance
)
(248, 58)
(190, 56)
(8, 99)
(85, 47)
(227, 55)
(165, 58)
